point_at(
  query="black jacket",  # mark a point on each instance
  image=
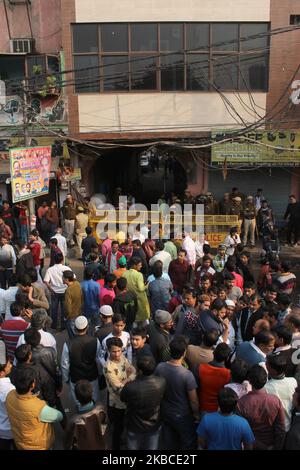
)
(24, 263)
(82, 354)
(247, 328)
(159, 341)
(143, 397)
(293, 436)
(293, 210)
(45, 385)
(125, 303)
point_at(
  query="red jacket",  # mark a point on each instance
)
(35, 248)
(212, 379)
(179, 274)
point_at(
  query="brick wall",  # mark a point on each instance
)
(284, 60)
(68, 17)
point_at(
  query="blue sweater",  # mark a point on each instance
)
(246, 352)
(91, 294)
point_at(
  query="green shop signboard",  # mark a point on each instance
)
(262, 148)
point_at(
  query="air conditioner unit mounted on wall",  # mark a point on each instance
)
(19, 2)
(22, 46)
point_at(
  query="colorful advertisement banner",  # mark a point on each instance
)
(269, 148)
(30, 172)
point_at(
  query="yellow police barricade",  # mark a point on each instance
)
(215, 227)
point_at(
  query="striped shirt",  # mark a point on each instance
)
(10, 332)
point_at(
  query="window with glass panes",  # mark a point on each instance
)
(133, 57)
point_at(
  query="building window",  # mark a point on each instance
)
(295, 20)
(121, 57)
(114, 37)
(86, 76)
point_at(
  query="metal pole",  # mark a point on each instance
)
(31, 204)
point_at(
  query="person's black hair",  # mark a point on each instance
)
(284, 299)
(218, 304)
(122, 283)
(239, 248)
(263, 337)
(190, 291)
(2, 366)
(22, 353)
(239, 370)
(257, 377)
(68, 275)
(13, 281)
(222, 352)
(255, 297)
(115, 242)
(271, 288)
(157, 270)
(210, 337)
(178, 347)
(222, 287)
(206, 248)
(284, 333)
(245, 253)
(244, 299)
(114, 341)
(34, 233)
(25, 280)
(137, 242)
(22, 298)
(227, 400)
(182, 250)
(159, 245)
(88, 230)
(250, 285)
(84, 392)
(278, 362)
(134, 261)
(33, 274)
(88, 273)
(58, 258)
(110, 278)
(205, 278)
(32, 336)
(24, 378)
(230, 266)
(229, 277)
(93, 256)
(286, 266)
(213, 290)
(146, 365)
(271, 310)
(206, 258)
(53, 241)
(294, 319)
(117, 317)
(16, 309)
(139, 331)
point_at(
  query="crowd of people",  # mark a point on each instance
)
(256, 218)
(167, 345)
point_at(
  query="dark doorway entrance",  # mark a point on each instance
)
(144, 175)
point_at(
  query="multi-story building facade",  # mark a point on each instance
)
(154, 80)
(30, 60)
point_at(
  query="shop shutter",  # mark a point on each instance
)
(275, 182)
